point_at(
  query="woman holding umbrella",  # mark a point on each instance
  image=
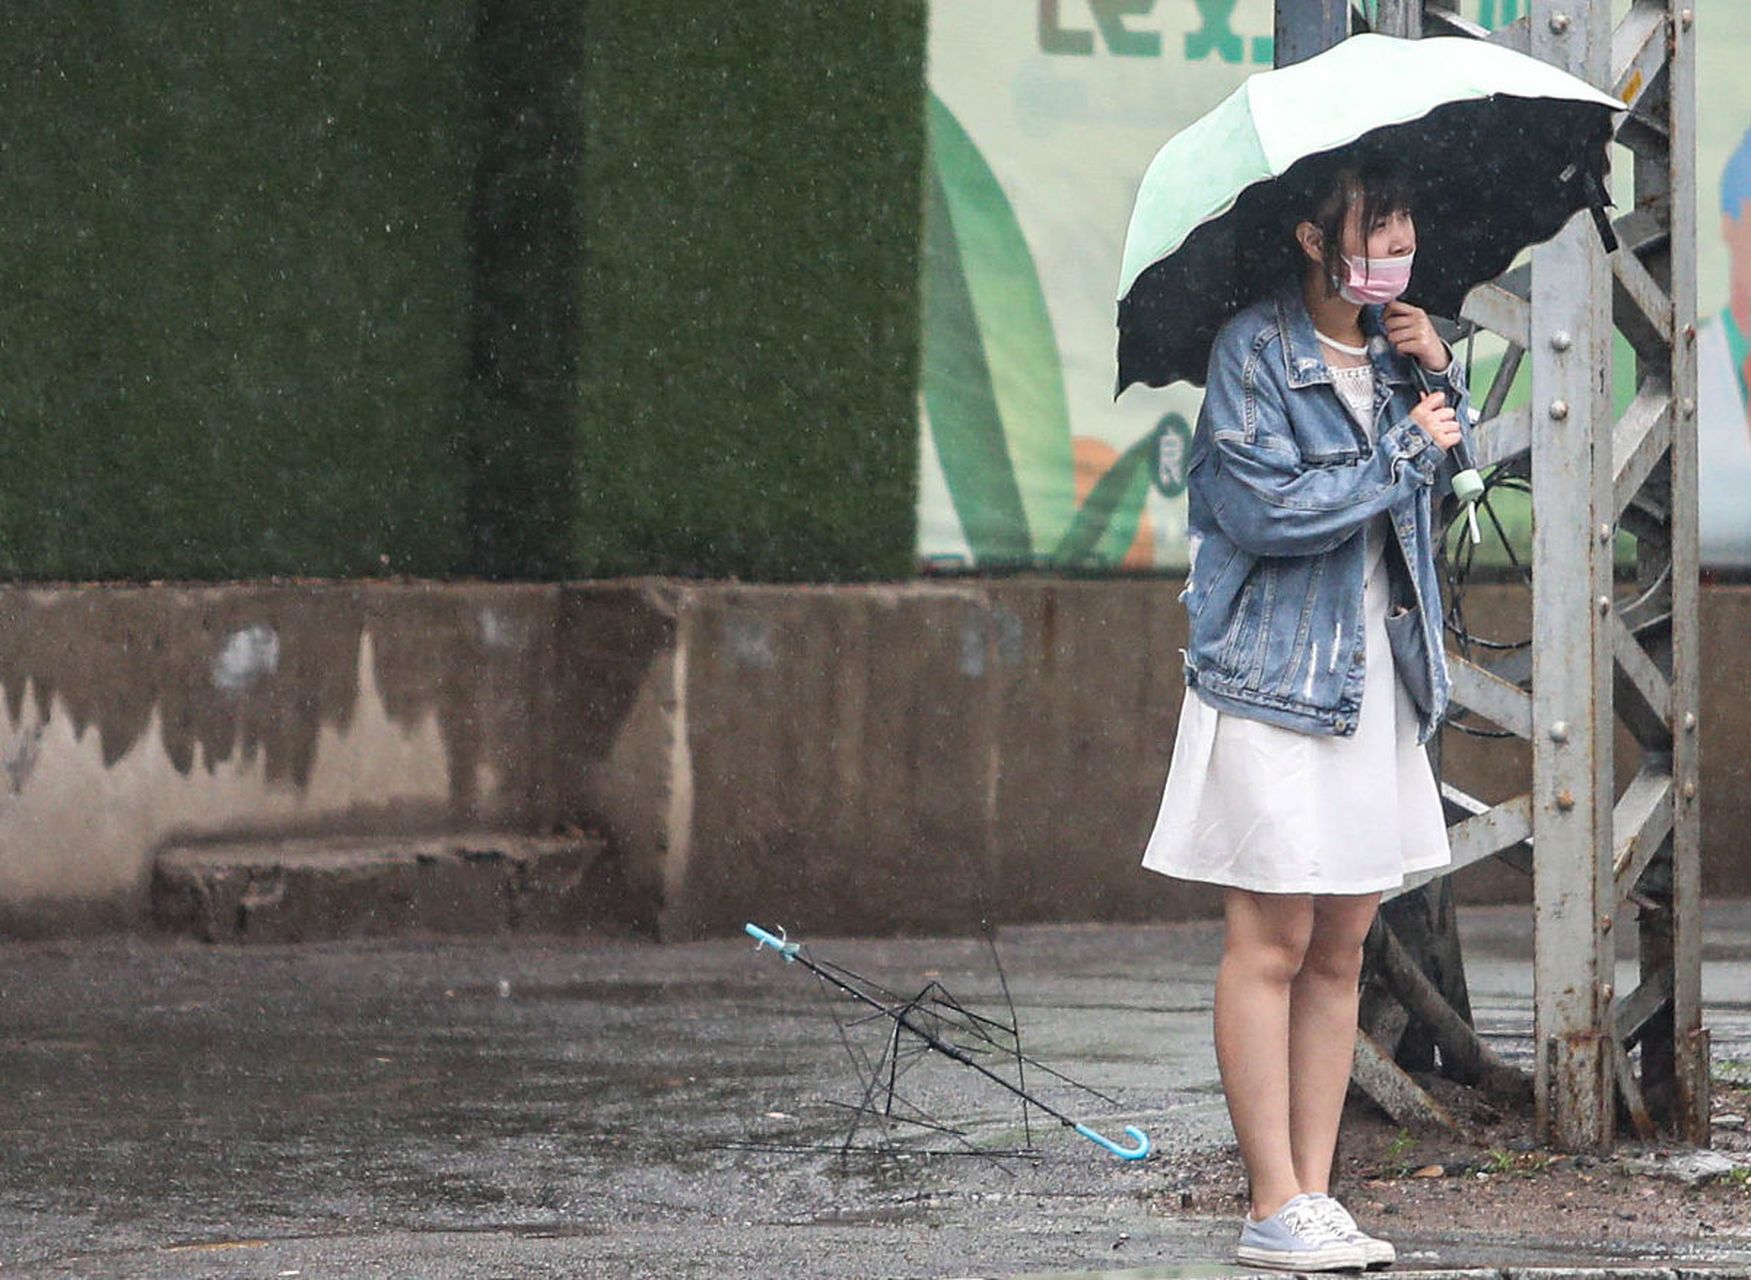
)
(1334, 420)
(1298, 781)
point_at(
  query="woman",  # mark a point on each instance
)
(1298, 781)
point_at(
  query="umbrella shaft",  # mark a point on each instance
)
(947, 1050)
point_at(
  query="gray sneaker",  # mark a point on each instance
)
(1301, 1236)
(1375, 1252)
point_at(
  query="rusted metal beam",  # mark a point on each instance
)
(1631, 1092)
(1504, 436)
(1638, 1008)
(1499, 311)
(1638, 51)
(1481, 690)
(1462, 1049)
(1501, 831)
(1306, 27)
(1641, 821)
(1645, 292)
(1504, 381)
(1570, 350)
(1690, 1037)
(1500, 828)
(1399, 18)
(1643, 136)
(1640, 440)
(1391, 1089)
(1643, 694)
(1656, 674)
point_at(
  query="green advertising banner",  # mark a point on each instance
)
(1043, 115)
(1723, 211)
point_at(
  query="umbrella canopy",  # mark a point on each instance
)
(1500, 150)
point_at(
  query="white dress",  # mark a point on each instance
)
(1265, 808)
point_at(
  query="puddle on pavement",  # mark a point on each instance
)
(625, 992)
(1193, 1271)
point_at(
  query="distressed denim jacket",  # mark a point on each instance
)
(1282, 484)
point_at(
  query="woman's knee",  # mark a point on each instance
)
(1268, 935)
(1338, 936)
(1337, 958)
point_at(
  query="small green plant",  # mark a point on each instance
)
(1732, 1071)
(1400, 1146)
(1499, 1160)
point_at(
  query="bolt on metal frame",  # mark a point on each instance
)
(1598, 654)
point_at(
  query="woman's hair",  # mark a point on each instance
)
(1333, 191)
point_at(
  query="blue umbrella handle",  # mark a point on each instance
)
(762, 938)
(1137, 1135)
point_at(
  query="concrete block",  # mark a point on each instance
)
(1089, 686)
(877, 759)
(819, 758)
(142, 717)
(305, 890)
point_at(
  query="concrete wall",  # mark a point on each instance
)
(140, 717)
(833, 759)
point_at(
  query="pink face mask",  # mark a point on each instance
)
(1375, 281)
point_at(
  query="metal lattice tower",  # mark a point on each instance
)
(1599, 652)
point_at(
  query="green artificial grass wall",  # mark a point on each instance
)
(751, 184)
(516, 288)
(520, 432)
(234, 287)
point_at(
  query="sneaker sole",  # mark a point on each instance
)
(1333, 1258)
(1376, 1258)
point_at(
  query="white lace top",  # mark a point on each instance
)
(1355, 387)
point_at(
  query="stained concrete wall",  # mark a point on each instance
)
(833, 759)
(140, 717)
(867, 759)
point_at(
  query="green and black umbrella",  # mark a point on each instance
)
(1501, 150)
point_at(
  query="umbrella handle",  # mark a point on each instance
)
(762, 938)
(1468, 486)
(1137, 1152)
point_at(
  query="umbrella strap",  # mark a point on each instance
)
(1599, 202)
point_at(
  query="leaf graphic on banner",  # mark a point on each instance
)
(993, 377)
(964, 421)
(1106, 525)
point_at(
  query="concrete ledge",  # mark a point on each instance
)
(877, 759)
(916, 758)
(847, 759)
(304, 890)
(1687, 1271)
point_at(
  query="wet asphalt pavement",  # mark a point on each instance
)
(618, 1108)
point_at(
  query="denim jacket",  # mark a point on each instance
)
(1282, 484)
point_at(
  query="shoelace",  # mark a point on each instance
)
(1311, 1225)
(1338, 1216)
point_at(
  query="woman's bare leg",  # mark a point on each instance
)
(1267, 936)
(1322, 1031)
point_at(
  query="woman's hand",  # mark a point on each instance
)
(1411, 334)
(1436, 417)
